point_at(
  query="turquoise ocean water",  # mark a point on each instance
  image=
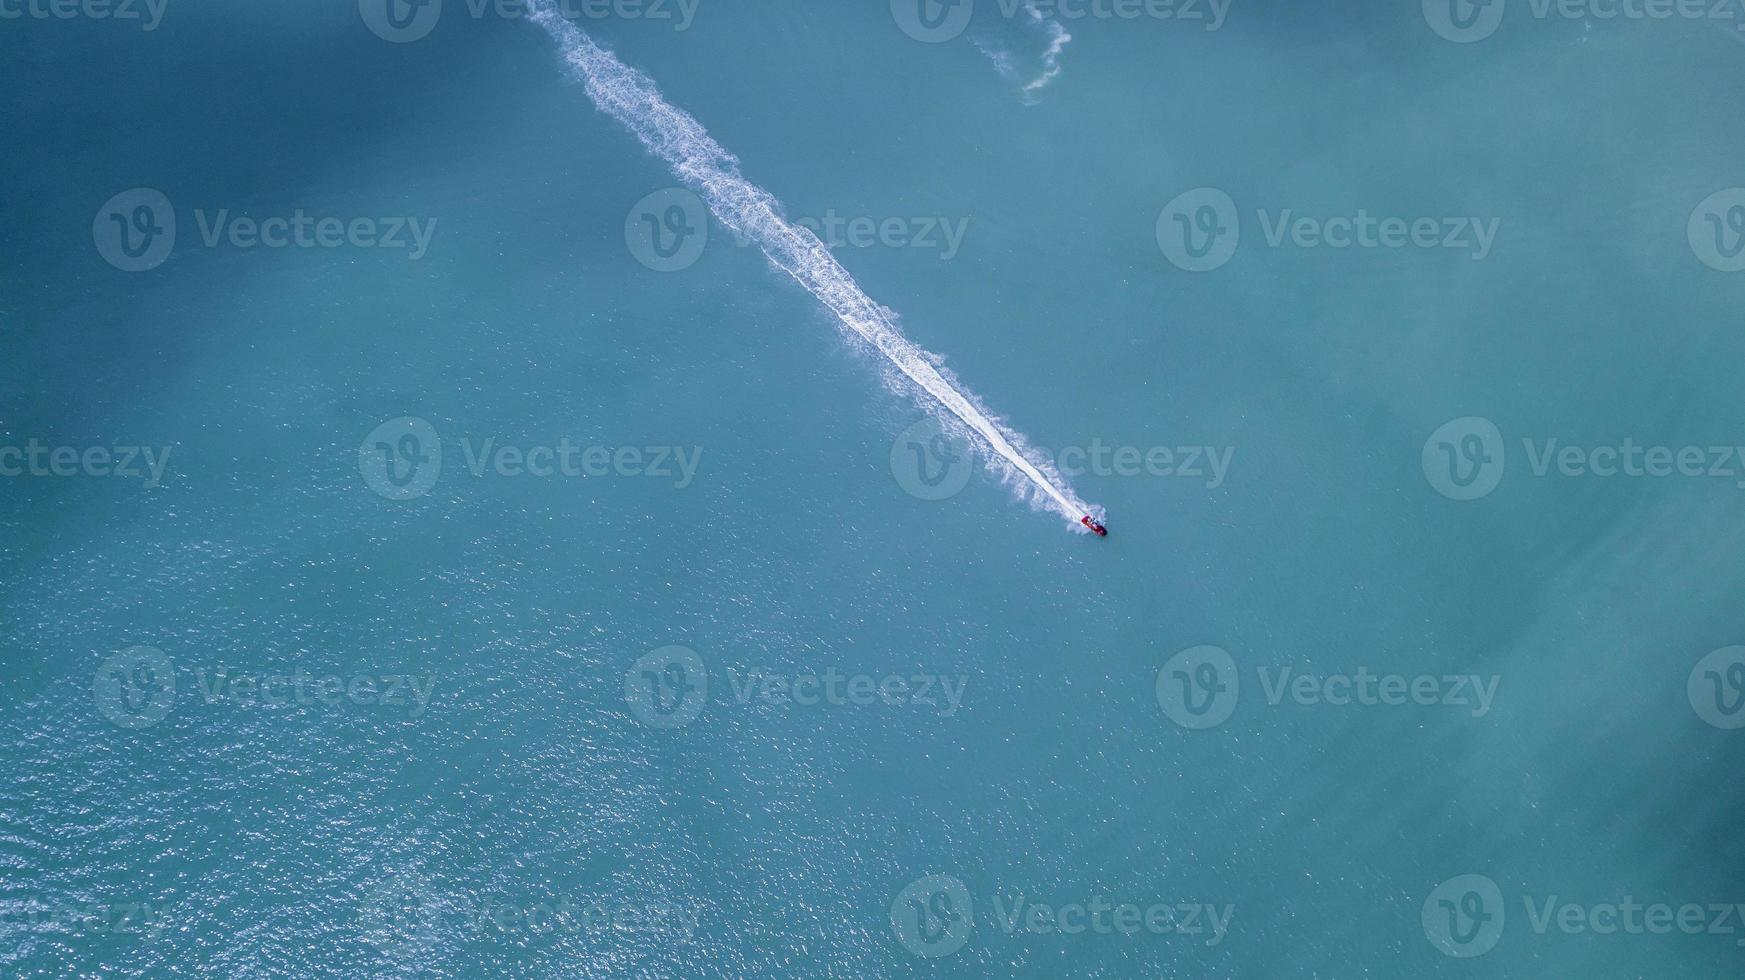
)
(512, 773)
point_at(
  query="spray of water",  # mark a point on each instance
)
(706, 167)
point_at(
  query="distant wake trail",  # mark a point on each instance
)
(706, 167)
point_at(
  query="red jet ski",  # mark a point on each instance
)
(1100, 530)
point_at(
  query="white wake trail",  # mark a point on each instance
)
(707, 168)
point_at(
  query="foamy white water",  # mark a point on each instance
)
(706, 167)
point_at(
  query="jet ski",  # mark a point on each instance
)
(1098, 529)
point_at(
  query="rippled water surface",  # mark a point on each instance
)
(434, 556)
